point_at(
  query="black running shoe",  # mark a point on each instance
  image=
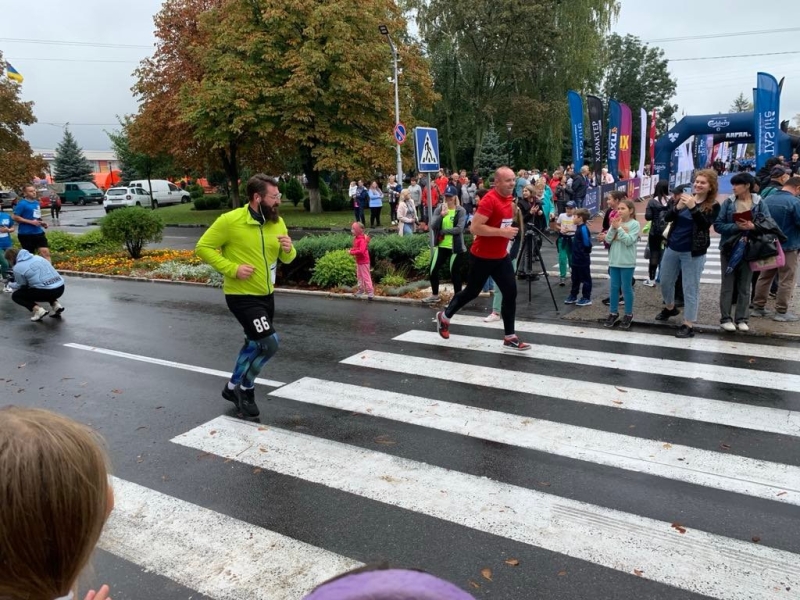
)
(611, 320)
(684, 331)
(230, 395)
(247, 402)
(666, 314)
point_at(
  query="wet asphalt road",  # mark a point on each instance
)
(139, 407)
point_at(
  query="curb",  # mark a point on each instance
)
(413, 301)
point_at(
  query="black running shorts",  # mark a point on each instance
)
(32, 241)
(255, 313)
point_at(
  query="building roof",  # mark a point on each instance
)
(50, 154)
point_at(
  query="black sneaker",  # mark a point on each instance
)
(606, 301)
(684, 331)
(613, 319)
(626, 322)
(247, 402)
(230, 395)
(666, 314)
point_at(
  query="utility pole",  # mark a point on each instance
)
(385, 31)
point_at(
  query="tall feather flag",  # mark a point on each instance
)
(13, 74)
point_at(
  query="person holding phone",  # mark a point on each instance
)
(687, 243)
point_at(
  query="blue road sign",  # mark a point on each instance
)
(400, 133)
(426, 140)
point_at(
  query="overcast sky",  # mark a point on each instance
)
(71, 83)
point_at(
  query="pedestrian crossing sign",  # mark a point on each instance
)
(426, 141)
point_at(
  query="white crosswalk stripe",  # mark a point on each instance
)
(712, 271)
(149, 528)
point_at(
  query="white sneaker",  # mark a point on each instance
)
(649, 283)
(492, 318)
(431, 299)
(56, 309)
(728, 326)
(38, 314)
(743, 326)
(8, 289)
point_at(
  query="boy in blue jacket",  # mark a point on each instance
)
(35, 281)
(581, 260)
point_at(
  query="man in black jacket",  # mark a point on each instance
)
(580, 185)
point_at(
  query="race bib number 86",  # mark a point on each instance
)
(261, 324)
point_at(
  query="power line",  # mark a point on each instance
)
(80, 60)
(71, 124)
(722, 35)
(72, 43)
(731, 56)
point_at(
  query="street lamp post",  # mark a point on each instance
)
(509, 125)
(385, 31)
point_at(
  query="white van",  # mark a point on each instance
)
(164, 192)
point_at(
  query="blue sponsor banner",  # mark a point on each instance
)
(702, 151)
(767, 110)
(576, 123)
(592, 200)
(614, 124)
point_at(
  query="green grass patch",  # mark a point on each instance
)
(294, 216)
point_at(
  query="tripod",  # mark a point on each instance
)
(530, 253)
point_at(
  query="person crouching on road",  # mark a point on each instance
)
(360, 252)
(35, 281)
(448, 224)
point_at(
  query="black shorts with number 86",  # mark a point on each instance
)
(255, 313)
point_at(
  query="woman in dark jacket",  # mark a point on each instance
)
(655, 212)
(687, 243)
(448, 224)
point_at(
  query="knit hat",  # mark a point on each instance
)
(358, 228)
(389, 584)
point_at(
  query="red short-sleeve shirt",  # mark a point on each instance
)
(500, 213)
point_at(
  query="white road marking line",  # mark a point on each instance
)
(783, 382)
(719, 412)
(701, 344)
(697, 561)
(167, 363)
(217, 555)
(727, 472)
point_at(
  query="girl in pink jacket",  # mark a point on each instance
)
(360, 251)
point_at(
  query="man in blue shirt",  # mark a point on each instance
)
(28, 214)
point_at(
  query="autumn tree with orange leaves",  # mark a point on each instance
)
(307, 79)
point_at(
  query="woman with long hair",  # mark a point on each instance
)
(655, 211)
(736, 218)
(687, 243)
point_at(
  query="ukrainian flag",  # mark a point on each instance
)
(13, 73)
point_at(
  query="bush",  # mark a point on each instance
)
(317, 246)
(399, 249)
(196, 191)
(93, 240)
(60, 241)
(210, 202)
(294, 191)
(422, 262)
(179, 271)
(133, 227)
(393, 280)
(335, 269)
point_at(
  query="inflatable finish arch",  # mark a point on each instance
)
(740, 125)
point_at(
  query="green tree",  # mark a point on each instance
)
(638, 75)
(276, 72)
(18, 165)
(741, 104)
(120, 142)
(493, 153)
(70, 163)
(500, 60)
(137, 164)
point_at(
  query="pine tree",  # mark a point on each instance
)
(493, 153)
(70, 163)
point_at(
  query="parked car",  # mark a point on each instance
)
(46, 197)
(8, 198)
(164, 192)
(79, 192)
(120, 197)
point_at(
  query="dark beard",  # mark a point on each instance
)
(270, 213)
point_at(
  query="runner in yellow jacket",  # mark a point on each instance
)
(245, 245)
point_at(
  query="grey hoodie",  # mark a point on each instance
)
(36, 272)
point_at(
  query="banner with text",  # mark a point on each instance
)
(653, 143)
(625, 135)
(576, 123)
(767, 109)
(595, 106)
(614, 122)
(642, 141)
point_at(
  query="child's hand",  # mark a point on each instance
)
(616, 222)
(102, 594)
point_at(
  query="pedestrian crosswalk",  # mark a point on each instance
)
(712, 273)
(668, 460)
